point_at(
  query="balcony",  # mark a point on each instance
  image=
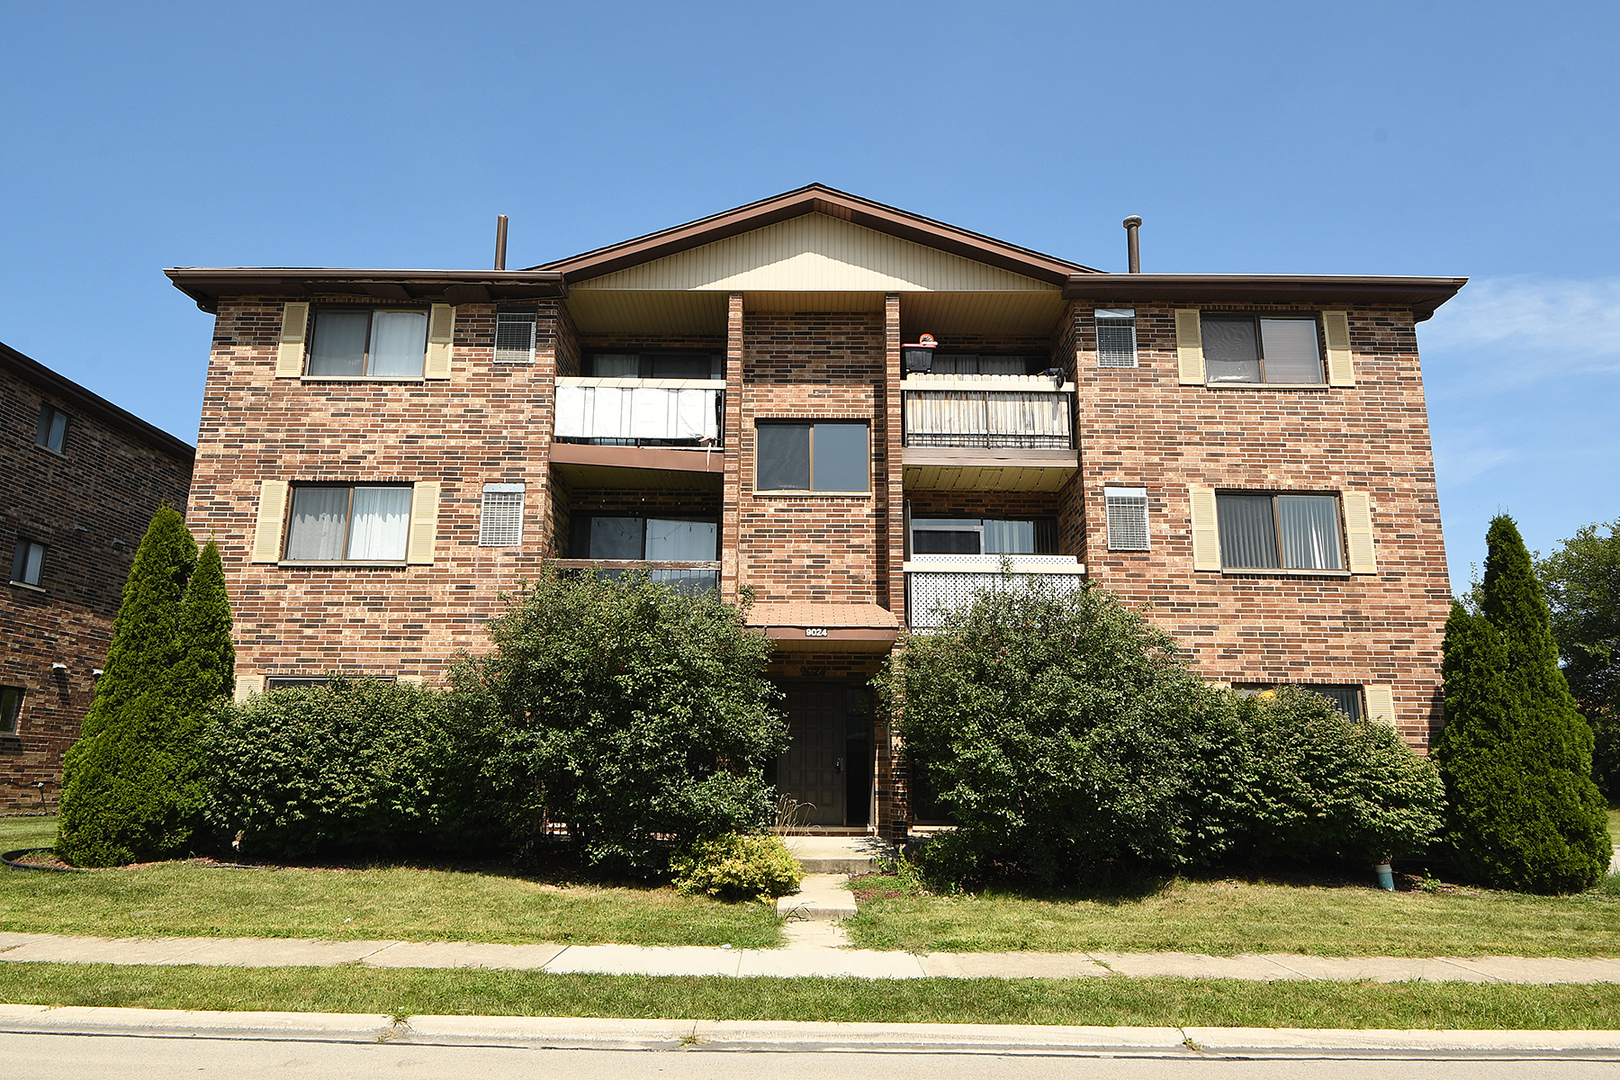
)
(610, 431)
(937, 583)
(988, 432)
(686, 577)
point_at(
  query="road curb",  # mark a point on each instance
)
(805, 1037)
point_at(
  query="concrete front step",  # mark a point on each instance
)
(821, 898)
(838, 854)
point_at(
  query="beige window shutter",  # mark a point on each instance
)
(248, 684)
(1206, 536)
(441, 338)
(294, 329)
(272, 514)
(1358, 532)
(424, 524)
(1189, 347)
(1380, 702)
(1341, 367)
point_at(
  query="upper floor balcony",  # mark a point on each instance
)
(621, 423)
(988, 432)
(937, 584)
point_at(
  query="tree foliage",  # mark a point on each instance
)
(1582, 580)
(639, 716)
(1515, 754)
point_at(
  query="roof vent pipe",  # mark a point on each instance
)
(500, 242)
(1132, 247)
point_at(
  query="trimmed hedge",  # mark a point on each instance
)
(737, 867)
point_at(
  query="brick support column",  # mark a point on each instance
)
(731, 493)
(890, 776)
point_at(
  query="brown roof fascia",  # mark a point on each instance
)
(818, 199)
(92, 404)
(1422, 294)
(206, 285)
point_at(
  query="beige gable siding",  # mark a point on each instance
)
(816, 253)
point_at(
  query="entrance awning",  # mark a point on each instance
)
(836, 627)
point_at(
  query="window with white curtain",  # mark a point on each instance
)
(1116, 337)
(363, 523)
(1279, 532)
(1258, 349)
(1127, 518)
(368, 343)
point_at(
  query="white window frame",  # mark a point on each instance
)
(495, 533)
(49, 414)
(1276, 525)
(1115, 315)
(372, 311)
(289, 517)
(1137, 497)
(21, 556)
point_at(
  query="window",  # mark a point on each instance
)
(1116, 337)
(500, 524)
(656, 365)
(52, 430)
(983, 536)
(1288, 532)
(348, 524)
(633, 539)
(811, 457)
(27, 562)
(1347, 698)
(1257, 349)
(368, 342)
(514, 336)
(281, 682)
(1127, 518)
(10, 708)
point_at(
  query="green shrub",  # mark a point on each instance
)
(353, 767)
(1515, 754)
(1582, 579)
(639, 716)
(737, 867)
(132, 788)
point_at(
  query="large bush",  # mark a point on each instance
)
(639, 716)
(1063, 731)
(132, 788)
(1516, 756)
(354, 767)
(1582, 579)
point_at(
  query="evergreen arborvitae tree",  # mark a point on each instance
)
(1515, 754)
(124, 796)
(206, 672)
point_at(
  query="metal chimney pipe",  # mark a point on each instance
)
(500, 242)
(1133, 248)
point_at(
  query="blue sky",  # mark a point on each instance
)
(1469, 139)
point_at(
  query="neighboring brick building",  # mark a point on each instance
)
(80, 479)
(733, 402)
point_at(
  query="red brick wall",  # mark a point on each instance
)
(89, 506)
(1139, 427)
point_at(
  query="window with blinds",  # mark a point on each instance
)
(1116, 337)
(1127, 518)
(500, 521)
(514, 337)
(1287, 532)
(1346, 698)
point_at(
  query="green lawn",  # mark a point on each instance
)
(1222, 917)
(405, 903)
(1110, 1001)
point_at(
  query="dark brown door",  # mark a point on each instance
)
(812, 770)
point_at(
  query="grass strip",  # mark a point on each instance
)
(1106, 1001)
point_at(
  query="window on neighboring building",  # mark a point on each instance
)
(10, 709)
(1261, 349)
(332, 523)
(1287, 532)
(1116, 337)
(984, 536)
(368, 342)
(632, 539)
(1347, 698)
(1127, 518)
(514, 336)
(27, 562)
(656, 365)
(500, 522)
(811, 457)
(52, 431)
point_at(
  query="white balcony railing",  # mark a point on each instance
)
(937, 583)
(640, 412)
(1029, 412)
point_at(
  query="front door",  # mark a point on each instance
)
(813, 769)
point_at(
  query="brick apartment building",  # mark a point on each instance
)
(751, 401)
(80, 479)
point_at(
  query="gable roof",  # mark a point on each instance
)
(817, 199)
(93, 404)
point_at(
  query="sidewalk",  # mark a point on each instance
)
(812, 949)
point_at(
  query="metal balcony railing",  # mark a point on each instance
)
(685, 577)
(1024, 412)
(640, 412)
(936, 584)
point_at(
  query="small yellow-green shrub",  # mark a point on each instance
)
(737, 867)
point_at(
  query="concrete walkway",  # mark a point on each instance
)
(813, 948)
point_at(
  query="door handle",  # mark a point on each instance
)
(838, 765)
